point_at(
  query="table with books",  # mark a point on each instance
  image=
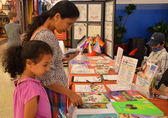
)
(105, 95)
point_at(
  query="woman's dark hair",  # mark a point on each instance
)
(66, 9)
(15, 57)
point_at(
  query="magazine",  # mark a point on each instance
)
(145, 79)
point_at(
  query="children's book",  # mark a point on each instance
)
(126, 95)
(145, 78)
(87, 79)
(94, 98)
(139, 116)
(95, 111)
(90, 88)
(137, 108)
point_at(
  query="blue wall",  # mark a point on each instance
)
(145, 15)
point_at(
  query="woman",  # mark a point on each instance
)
(60, 18)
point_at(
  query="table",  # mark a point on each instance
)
(161, 104)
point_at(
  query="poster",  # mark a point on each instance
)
(109, 48)
(109, 11)
(109, 31)
(80, 30)
(127, 70)
(83, 12)
(94, 30)
(94, 12)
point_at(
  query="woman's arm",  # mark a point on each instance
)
(74, 98)
(30, 108)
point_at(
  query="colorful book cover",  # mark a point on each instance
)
(94, 98)
(93, 106)
(137, 108)
(100, 111)
(97, 115)
(138, 116)
(126, 95)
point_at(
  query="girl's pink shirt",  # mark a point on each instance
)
(25, 90)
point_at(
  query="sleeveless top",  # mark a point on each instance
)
(56, 73)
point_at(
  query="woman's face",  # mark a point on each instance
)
(63, 24)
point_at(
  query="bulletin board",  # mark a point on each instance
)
(91, 20)
(96, 18)
(109, 27)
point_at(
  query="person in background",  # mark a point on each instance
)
(159, 55)
(60, 18)
(13, 29)
(27, 62)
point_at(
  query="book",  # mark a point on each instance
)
(86, 79)
(137, 108)
(94, 98)
(90, 88)
(126, 95)
(139, 116)
(95, 111)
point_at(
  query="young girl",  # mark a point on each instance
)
(28, 62)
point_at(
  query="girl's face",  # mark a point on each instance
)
(40, 68)
(63, 24)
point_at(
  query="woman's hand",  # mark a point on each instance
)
(75, 99)
(71, 56)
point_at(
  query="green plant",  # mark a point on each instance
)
(160, 27)
(120, 29)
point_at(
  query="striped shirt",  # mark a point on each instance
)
(56, 73)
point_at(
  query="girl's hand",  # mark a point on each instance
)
(75, 99)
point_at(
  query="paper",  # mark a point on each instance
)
(110, 77)
(109, 11)
(79, 30)
(86, 79)
(109, 31)
(115, 87)
(94, 30)
(90, 88)
(83, 12)
(118, 59)
(127, 70)
(95, 11)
